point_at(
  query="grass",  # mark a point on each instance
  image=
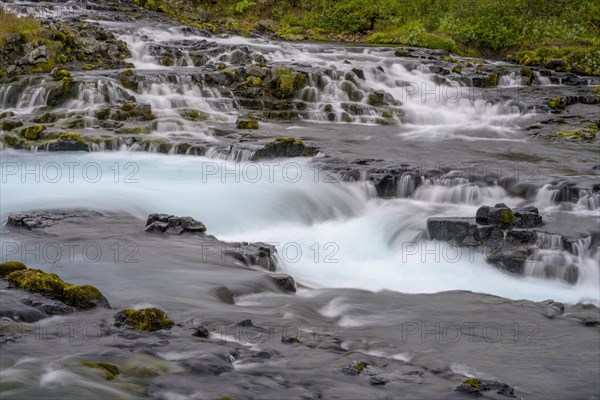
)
(28, 27)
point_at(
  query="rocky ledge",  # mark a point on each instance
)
(509, 237)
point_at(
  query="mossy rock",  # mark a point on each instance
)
(146, 319)
(51, 285)
(72, 136)
(493, 79)
(7, 114)
(11, 266)
(89, 67)
(288, 82)
(10, 140)
(167, 61)
(246, 123)
(457, 69)
(47, 118)
(9, 125)
(110, 370)
(60, 73)
(133, 130)
(401, 53)
(37, 281)
(289, 140)
(33, 132)
(556, 103)
(127, 107)
(508, 217)
(194, 115)
(84, 296)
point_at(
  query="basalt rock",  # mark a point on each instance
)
(41, 219)
(163, 223)
(284, 147)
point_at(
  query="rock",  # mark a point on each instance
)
(50, 285)
(110, 370)
(553, 309)
(9, 125)
(285, 282)
(68, 142)
(378, 380)
(290, 340)
(45, 218)
(355, 368)
(249, 254)
(528, 217)
(501, 215)
(284, 147)
(451, 229)
(11, 266)
(33, 132)
(510, 258)
(146, 319)
(38, 55)
(477, 387)
(201, 332)
(171, 224)
(359, 73)
(246, 123)
(47, 305)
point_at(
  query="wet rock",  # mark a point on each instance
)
(478, 387)
(146, 319)
(201, 332)
(68, 142)
(290, 340)
(355, 368)
(284, 147)
(510, 258)
(52, 286)
(45, 218)
(553, 309)
(249, 254)
(285, 282)
(47, 305)
(246, 123)
(163, 223)
(11, 266)
(451, 229)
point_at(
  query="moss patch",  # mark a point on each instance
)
(71, 137)
(147, 319)
(11, 266)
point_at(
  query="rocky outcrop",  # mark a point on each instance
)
(146, 319)
(41, 219)
(284, 147)
(164, 223)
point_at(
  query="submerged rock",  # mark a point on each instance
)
(45, 218)
(146, 319)
(110, 370)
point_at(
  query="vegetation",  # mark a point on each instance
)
(532, 32)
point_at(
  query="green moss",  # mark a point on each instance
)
(60, 74)
(360, 367)
(89, 67)
(474, 383)
(493, 79)
(387, 114)
(110, 370)
(33, 132)
(37, 281)
(46, 118)
(72, 137)
(147, 319)
(287, 140)
(289, 81)
(167, 61)
(67, 84)
(128, 107)
(526, 72)
(401, 53)
(128, 72)
(247, 124)
(10, 125)
(133, 130)
(457, 69)
(83, 296)
(11, 266)
(555, 103)
(194, 115)
(61, 58)
(10, 140)
(508, 218)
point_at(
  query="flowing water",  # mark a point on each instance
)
(335, 236)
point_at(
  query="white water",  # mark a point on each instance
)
(329, 235)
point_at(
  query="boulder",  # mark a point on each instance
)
(284, 147)
(146, 319)
(38, 55)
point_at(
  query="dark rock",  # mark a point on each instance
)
(284, 147)
(451, 229)
(47, 305)
(510, 258)
(290, 340)
(355, 368)
(163, 223)
(477, 387)
(378, 380)
(553, 309)
(201, 332)
(285, 282)
(45, 218)
(67, 144)
(527, 217)
(359, 73)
